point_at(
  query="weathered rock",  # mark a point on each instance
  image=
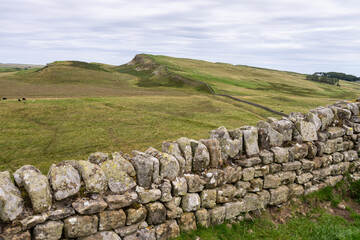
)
(117, 175)
(146, 196)
(251, 202)
(89, 206)
(281, 155)
(335, 132)
(79, 226)
(121, 201)
(272, 181)
(337, 157)
(208, 198)
(169, 166)
(17, 236)
(266, 157)
(303, 178)
(232, 173)
(201, 157)
(187, 222)
(300, 151)
(275, 168)
(50, 230)
(285, 127)
(167, 230)
(312, 150)
(165, 191)
(37, 187)
(263, 199)
(135, 215)
(179, 186)
(296, 190)
(233, 209)
(98, 157)
(127, 230)
(248, 174)
(250, 140)
(333, 180)
(326, 116)
(217, 215)
(269, 137)
(307, 131)
(319, 175)
(173, 149)
(194, 182)
(338, 169)
(287, 177)
(93, 176)
(314, 119)
(144, 233)
(249, 162)
(225, 193)
(261, 170)
(291, 166)
(190, 202)
(144, 170)
(242, 188)
(213, 146)
(156, 213)
(65, 181)
(202, 217)
(11, 203)
(104, 235)
(61, 212)
(111, 219)
(144, 174)
(279, 195)
(174, 211)
(214, 178)
(350, 156)
(185, 147)
(33, 220)
(126, 165)
(220, 133)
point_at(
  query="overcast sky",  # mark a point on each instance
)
(295, 35)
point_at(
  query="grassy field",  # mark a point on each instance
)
(75, 108)
(314, 217)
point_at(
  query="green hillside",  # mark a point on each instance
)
(74, 108)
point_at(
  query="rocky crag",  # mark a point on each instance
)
(156, 194)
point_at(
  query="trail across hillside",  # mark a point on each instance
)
(228, 96)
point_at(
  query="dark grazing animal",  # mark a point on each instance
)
(24, 99)
(19, 99)
(4, 98)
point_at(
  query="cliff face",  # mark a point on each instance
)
(156, 194)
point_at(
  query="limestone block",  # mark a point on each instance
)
(93, 176)
(89, 206)
(217, 215)
(187, 222)
(111, 219)
(214, 148)
(50, 230)
(208, 198)
(37, 187)
(190, 202)
(202, 217)
(156, 213)
(11, 203)
(121, 201)
(279, 195)
(79, 226)
(201, 156)
(185, 148)
(250, 135)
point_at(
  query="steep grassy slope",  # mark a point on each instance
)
(283, 91)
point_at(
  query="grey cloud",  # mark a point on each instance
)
(303, 36)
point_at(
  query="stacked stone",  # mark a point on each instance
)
(156, 194)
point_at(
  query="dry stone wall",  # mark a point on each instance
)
(189, 183)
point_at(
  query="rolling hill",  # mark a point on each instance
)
(74, 108)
